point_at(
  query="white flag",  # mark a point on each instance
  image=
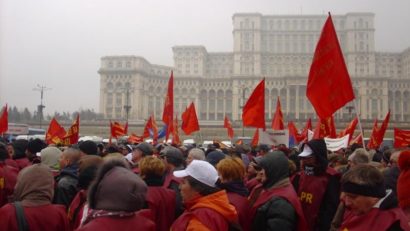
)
(337, 144)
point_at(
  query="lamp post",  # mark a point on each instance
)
(127, 106)
(40, 107)
(241, 107)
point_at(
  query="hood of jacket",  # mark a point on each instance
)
(276, 168)
(319, 149)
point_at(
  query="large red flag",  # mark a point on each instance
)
(277, 121)
(255, 139)
(349, 130)
(228, 126)
(357, 140)
(168, 113)
(325, 128)
(190, 120)
(118, 130)
(72, 134)
(401, 138)
(377, 136)
(329, 87)
(55, 133)
(4, 120)
(253, 113)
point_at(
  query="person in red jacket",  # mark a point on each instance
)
(8, 176)
(231, 172)
(19, 156)
(369, 206)
(161, 201)
(115, 198)
(33, 193)
(207, 207)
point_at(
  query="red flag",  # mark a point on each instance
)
(378, 133)
(255, 139)
(118, 130)
(134, 139)
(168, 113)
(325, 128)
(55, 133)
(228, 126)
(277, 122)
(72, 134)
(349, 129)
(401, 138)
(357, 140)
(175, 132)
(151, 124)
(253, 113)
(305, 131)
(190, 122)
(293, 132)
(4, 120)
(329, 87)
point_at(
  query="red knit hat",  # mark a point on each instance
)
(403, 183)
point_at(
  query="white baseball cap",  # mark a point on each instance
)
(307, 151)
(200, 170)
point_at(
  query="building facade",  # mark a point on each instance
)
(278, 48)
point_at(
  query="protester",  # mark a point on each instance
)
(403, 182)
(88, 147)
(207, 207)
(66, 181)
(214, 157)
(263, 149)
(32, 196)
(115, 199)
(317, 185)
(9, 160)
(359, 156)
(8, 176)
(140, 151)
(173, 160)
(251, 173)
(368, 205)
(87, 168)
(50, 156)
(231, 173)
(34, 147)
(20, 157)
(195, 154)
(391, 173)
(275, 205)
(161, 201)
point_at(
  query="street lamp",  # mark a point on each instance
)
(127, 106)
(40, 107)
(241, 107)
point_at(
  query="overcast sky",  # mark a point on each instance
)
(59, 43)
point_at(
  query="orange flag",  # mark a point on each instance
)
(134, 139)
(277, 122)
(401, 138)
(325, 128)
(190, 120)
(329, 87)
(253, 113)
(55, 133)
(349, 129)
(377, 135)
(118, 130)
(255, 139)
(228, 126)
(4, 120)
(72, 134)
(168, 113)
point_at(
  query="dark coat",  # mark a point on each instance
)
(66, 186)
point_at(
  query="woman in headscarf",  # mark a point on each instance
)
(275, 205)
(32, 195)
(115, 198)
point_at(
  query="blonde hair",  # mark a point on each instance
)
(231, 169)
(151, 166)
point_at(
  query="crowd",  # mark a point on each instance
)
(91, 186)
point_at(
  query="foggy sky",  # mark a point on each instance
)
(59, 43)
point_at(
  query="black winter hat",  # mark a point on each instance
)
(88, 147)
(145, 148)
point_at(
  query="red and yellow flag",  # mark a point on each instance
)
(134, 139)
(325, 128)
(401, 138)
(118, 130)
(377, 135)
(72, 134)
(55, 133)
(349, 129)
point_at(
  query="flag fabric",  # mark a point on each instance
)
(168, 113)
(4, 120)
(337, 143)
(277, 121)
(175, 132)
(372, 144)
(305, 131)
(134, 139)
(349, 130)
(325, 128)
(294, 134)
(190, 120)
(253, 113)
(72, 134)
(401, 138)
(228, 126)
(118, 130)
(151, 127)
(55, 133)
(357, 139)
(255, 139)
(329, 87)
(377, 136)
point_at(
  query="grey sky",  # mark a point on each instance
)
(59, 43)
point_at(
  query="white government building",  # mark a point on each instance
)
(277, 47)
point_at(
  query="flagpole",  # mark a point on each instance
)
(358, 119)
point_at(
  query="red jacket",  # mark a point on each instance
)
(22, 163)
(75, 211)
(45, 218)
(242, 207)
(8, 179)
(161, 202)
(136, 222)
(11, 162)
